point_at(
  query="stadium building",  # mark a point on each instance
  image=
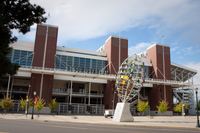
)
(84, 81)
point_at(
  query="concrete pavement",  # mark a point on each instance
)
(155, 121)
(28, 126)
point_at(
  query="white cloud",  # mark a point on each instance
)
(86, 19)
(138, 48)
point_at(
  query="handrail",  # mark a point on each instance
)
(99, 75)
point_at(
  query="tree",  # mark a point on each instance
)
(162, 106)
(142, 106)
(15, 15)
(53, 105)
(39, 105)
(6, 104)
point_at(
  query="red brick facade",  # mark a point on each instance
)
(116, 50)
(113, 52)
(44, 50)
(160, 58)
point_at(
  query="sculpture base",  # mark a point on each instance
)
(122, 113)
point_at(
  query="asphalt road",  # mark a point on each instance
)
(34, 126)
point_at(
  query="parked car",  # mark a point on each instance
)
(108, 113)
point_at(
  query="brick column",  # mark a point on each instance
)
(159, 56)
(44, 55)
(114, 47)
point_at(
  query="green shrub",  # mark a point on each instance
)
(30, 102)
(39, 105)
(6, 104)
(162, 106)
(178, 107)
(53, 105)
(22, 103)
(142, 106)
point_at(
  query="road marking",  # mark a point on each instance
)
(81, 128)
(68, 127)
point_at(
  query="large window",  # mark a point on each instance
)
(79, 64)
(146, 71)
(69, 63)
(21, 57)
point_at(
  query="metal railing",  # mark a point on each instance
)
(60, 91)
(80, 109)
(68, 109)
(14, 91)
(66, 91)
(166, 82)
(53, 70)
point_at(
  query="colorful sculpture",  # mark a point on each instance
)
(128, 84)
(129, 78)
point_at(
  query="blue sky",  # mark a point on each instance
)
(86, 24)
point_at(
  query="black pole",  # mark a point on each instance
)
(198, 125)
(34, 94)
(32, 111)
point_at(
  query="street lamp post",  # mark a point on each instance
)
(27, 100)
(34, 94)
(197, 112)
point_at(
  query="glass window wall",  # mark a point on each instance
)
(21, 57)
(80, 64)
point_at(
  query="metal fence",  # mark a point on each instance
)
(80, 109)
(67, 109)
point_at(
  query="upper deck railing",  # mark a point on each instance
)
(100, 75)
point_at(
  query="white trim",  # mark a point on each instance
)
(81, 55)
(26, 74)
(156, 44)
(48, 25)
(101, 49)
(52, 71)
(86, 77)
(73, 50)
(184, 67)
(79, 79)
(115, 37)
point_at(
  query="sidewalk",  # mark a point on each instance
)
(158, 121)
